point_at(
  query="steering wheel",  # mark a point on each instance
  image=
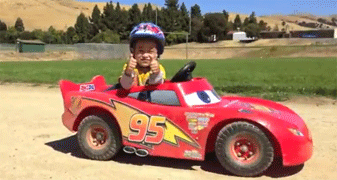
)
(185, 73)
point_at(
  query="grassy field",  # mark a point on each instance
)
(270, 78)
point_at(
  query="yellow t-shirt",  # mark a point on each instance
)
(142, 78)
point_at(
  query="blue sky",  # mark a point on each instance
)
(261, 7)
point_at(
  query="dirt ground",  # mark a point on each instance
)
(47, 56)
(35, 144)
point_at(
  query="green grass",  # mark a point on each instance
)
(270, 78)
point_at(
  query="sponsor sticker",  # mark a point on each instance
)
(192, 154)
(87, 87)
(197, 121)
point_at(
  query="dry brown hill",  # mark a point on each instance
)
(41, 14)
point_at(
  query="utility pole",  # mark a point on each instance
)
(156, 16)
(190, 21)
(189, 33)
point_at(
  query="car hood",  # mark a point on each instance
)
(263, 107)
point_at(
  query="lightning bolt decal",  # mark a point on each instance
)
(173, 134)
(123, 113)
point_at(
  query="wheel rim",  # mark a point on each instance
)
(97, 137)
(245, 149)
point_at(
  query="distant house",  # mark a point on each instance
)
(273, 34)
(319, 33)
(241, 36)
(30, 46)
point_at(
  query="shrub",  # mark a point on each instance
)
(107, 37)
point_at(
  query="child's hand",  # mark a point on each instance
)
(155, 67)
(131, 65)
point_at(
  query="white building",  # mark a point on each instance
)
(241, 36)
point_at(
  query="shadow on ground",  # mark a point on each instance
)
(211, 164)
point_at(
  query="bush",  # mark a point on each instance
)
(106, 37)
(3, 37)
(176, 38)
(11, 35)
(26, 35)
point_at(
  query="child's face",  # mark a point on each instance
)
(145, 52)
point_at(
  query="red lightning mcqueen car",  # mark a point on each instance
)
(184, 118)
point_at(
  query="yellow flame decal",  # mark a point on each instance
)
(173, 133)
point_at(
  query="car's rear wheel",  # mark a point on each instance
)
(98, 137)
(244, 149)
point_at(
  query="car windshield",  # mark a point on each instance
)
(202, 98)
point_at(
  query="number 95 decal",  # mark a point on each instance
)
(147, 130)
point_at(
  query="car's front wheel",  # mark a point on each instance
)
(244, 149)
(98, 137)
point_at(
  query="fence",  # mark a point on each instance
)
(85, 50)
(103, 51)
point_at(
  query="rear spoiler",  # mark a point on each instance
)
(97, 83)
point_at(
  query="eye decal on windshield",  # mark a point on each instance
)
(202, 98)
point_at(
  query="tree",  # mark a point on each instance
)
(19, 25)
(3, 37)
(108, 16)
(268, 28)
(230, 26)
(96, 21)
(171, 15)
(204, 34)
(245, 22)
(11, 35)
(148, 14)
(106, 37)
(3, 26)
(263, 25)
(176, 37)
(283, 23)
(196, 26)
(117, 18)
(253, 30)
(251, 27)
(52, 36)
(70, 34)
(38, 34)
(195, 11)
(217, 24)
(120, 21)
(184, 18)
(124, 21)
(252, 18)
(334, 21)
(95, 16)
(82, 28)
(134, 16)
(237, 22)
(225, 13)
(26, 35)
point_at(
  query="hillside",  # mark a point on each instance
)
(41, 14)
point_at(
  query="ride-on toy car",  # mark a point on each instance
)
(184, 118)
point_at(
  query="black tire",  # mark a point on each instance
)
(98, 137)
(244, 149)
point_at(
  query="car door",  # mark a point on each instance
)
(162, 125)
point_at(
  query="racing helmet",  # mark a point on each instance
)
(148, 30)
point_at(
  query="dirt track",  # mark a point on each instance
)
(35, 144)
